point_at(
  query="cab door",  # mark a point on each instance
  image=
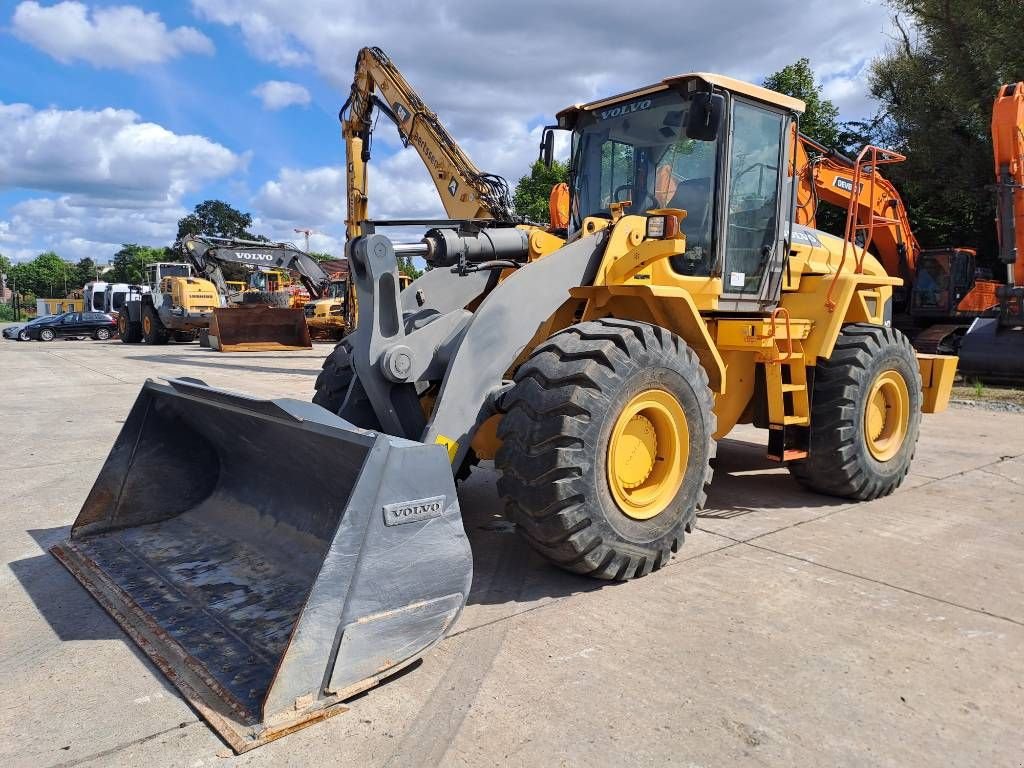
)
(755, 214)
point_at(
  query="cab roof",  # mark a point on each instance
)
(690, 82)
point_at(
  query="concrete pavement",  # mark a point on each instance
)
(791, 629)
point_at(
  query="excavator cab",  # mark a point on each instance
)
(944, 276)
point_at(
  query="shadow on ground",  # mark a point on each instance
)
(747, 482)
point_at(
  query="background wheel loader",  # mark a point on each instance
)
(597, 371)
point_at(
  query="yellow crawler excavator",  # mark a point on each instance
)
(598, 371)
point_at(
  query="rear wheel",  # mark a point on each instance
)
(865, 415)
(102, 334)
(47, 335)
(153, 330)
(606, 447)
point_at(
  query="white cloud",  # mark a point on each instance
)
(116, 179)
(109, 154)
(115, 37)
(278, 94)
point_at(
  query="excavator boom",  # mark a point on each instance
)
(255, 326)
(466, 192)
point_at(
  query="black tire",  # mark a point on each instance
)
(130, 333)
(102, 334)
(268, 298)
(332, 385)
(47, 335)
(184, 337)
(839, 462)
(555, 435)
(156, 334)
(23, 336)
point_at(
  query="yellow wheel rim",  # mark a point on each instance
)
(647, 454)
(147, 324)
(887, 415)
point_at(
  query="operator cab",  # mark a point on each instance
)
(710, 145)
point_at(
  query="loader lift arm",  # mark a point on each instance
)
(465, 191)
(208, 254)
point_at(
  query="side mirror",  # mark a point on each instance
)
(705, 117)
(547, 147)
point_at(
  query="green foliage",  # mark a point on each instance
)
(46, 275)
(532, 192)
(406, 267)
(936, 85)
(821, 119)
(129, 263)
(85, 271)
(6, 312)
(320, 257)
(218, 219)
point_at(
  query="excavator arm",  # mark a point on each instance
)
(1008, 150)
(208, 255)
(825, 175)
(466, 192)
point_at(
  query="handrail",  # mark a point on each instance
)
(867, 163)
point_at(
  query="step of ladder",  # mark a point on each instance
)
(789, 407)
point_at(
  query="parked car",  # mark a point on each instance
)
(20, 331)
(74, 325)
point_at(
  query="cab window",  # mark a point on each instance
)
(751, 231)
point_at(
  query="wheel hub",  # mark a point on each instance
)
(647, 454)
(886, 415)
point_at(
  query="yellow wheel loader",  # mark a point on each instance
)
(597, 372)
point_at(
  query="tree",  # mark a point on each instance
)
(319, 257)
(218, 219)
(85, 271)
(533, 191)
(820, 121)
(45, 275)
(406, 267)
(129, 263)
(936, 85)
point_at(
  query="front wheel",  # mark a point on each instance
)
(47, 335)
(153, 330)
(607, 446)
(130, 333)
(865, 415)
(23, 336)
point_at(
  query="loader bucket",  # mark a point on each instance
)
(258, 328)
(270, 558)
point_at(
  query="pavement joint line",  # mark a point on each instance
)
(587, 591)
(1001, 477)
(83, 365)
(121, 747)
(54, 464)
(883, 583)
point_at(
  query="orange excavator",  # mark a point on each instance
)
(945, 296)
(941, 292)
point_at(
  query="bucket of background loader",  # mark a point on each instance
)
(258, 328)
(269, 557)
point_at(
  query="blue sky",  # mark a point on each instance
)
(117, 117)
